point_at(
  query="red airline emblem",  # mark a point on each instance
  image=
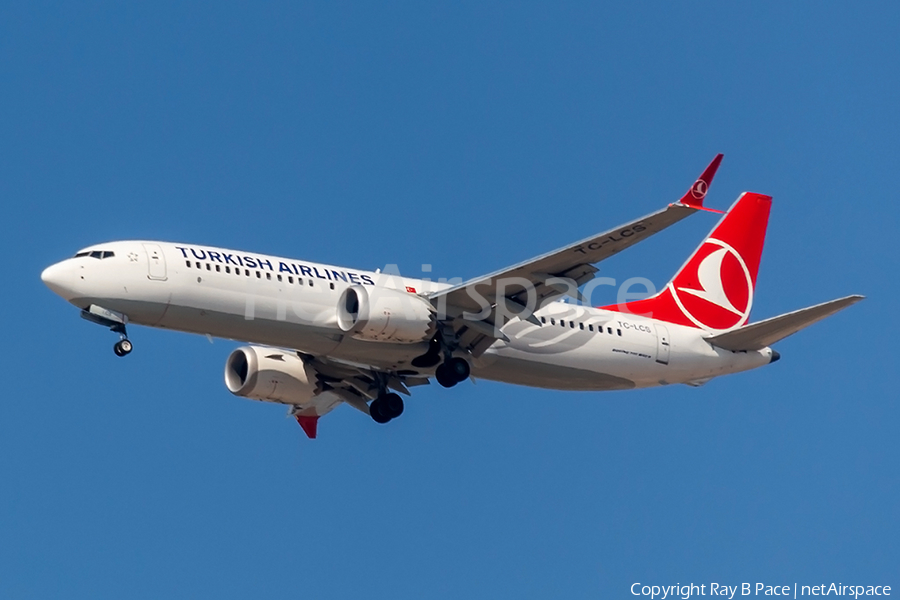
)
(411, 290)
(699, 189)
(718, 293)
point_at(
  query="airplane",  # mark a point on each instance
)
(320, 335)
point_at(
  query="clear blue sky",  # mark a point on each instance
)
(468, 136)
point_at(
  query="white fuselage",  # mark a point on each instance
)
(287, 303)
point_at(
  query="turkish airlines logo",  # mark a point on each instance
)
(715, 290)
(699, 189)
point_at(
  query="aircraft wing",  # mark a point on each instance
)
(474, 303)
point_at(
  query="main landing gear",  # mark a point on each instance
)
(386, 407)
(452, 371)
(389, 405)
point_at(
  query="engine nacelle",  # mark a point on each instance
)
(385, 315)
(271, 375)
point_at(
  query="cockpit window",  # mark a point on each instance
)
(101, 254)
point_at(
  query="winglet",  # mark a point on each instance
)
(694, 196)
(309, 425)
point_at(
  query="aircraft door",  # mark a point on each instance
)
(662, 344)
(156, 262)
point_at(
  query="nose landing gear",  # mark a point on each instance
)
(115, 321)
(123, 347)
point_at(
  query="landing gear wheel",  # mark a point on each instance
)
(444, 376)
(375, 410)
(452, 372)
(122, 347)
(459, 367)
(392, 404)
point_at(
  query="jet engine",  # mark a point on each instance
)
(271, 375)
(385, 315)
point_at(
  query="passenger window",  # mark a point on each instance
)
(590, 327)
(553, 321)
(332, 285)
(279, 278)
(609, 330)
(619, 331)
(310, 283)
(208, 267)
(581, 326)
(197, 264)
(188, 263)
(247, 272)
(227, 269)
(290, 279)
(572, 324)
(562, 323)
(269, 276)
(218, 269)
(543, 319)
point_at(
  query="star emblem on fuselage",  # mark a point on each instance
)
(132, 256)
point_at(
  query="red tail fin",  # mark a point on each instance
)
(714, 288)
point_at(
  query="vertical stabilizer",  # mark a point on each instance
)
(714, 289)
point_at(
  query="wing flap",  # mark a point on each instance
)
(765, 333)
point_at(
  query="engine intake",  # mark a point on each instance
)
(385, 315)
(271, 375)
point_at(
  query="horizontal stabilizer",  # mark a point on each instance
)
(765, 333)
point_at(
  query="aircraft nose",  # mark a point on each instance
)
(55, 278)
